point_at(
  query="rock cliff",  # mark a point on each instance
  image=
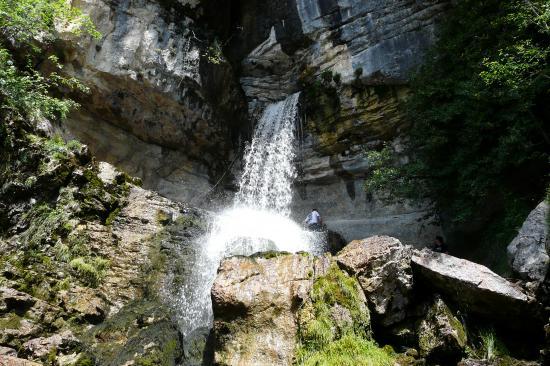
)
(162, 110)
(87, 258)
(157, 107)
(372, 48)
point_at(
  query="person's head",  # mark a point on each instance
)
(439, 240)
(315, 210)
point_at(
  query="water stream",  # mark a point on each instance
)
(259, 219)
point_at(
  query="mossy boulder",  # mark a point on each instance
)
(334, 324)
(441, 336)
(282, 309)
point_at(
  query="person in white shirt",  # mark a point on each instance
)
(314, 221)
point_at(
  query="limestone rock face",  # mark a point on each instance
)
(254, 301)
(383, 267)
(384, 38)
(441, 336)
(474, 287)
(528, 252)
(372, 46)
(156, 109)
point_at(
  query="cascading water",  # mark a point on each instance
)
(259, 219)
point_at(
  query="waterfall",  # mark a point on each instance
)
(266, 182)
(259, 219)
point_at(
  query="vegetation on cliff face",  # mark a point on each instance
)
(480, 137)
(25, 27)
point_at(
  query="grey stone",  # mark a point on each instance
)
(528, 252)
(7, 351)
(14, 361)
(383, 267)
(475, 288)
(41, 347)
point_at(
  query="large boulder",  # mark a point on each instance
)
(254, 301)
(528, 252)
(474, 287)
(383, 267)
(441, 336)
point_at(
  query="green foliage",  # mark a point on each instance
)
(214, 52)
(44, 225)
(387, 175)
(25, 23)
(26, 20)
(27, 92)
(321, 336)
(488, 346)
(479, 108)
(90, 269)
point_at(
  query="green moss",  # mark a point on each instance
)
(319, 330)
(162, 357)
(269, 254)
(90, 270)
(112, 216)
(51, 357)
(84, 360)
(350, 350)
(163, 217)
(187, 221)
(10, 321)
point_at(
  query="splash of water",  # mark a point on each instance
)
(259, 218)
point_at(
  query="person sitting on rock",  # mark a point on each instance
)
(439, 245)
(314, 221)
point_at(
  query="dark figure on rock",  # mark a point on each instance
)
(439, 245)
(314, 221)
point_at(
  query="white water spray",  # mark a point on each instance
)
(259, 219)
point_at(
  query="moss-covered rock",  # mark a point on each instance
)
(441, 336)
(82, 253)
(334, 324)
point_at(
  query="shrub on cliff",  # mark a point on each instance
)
(25, 25)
